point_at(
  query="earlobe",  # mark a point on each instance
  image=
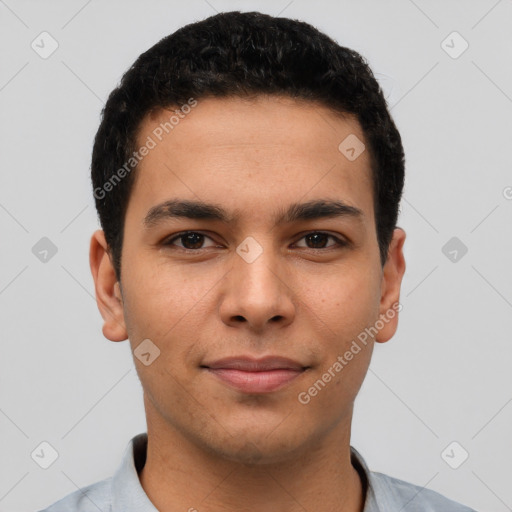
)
(108, 290)
(393, 272)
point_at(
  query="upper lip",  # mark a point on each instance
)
(251, 364)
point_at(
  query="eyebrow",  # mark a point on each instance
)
(191, 209)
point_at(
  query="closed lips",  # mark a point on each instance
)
(246, 364)
(255, 376)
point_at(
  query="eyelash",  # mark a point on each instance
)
(168, 242)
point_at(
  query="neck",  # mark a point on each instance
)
(179, 475)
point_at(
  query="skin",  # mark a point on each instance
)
(212, 447)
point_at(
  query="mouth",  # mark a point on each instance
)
(250, 375)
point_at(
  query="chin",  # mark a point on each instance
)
(258, 448)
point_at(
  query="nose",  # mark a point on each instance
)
(258, 294)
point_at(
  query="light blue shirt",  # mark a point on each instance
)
(124, 493)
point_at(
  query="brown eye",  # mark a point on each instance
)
(318, 240)
(190, 240)
(194, 241)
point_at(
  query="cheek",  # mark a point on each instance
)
(159, 296)
(171, 308)
(346, 299)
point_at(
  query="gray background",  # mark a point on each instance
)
(446, 374)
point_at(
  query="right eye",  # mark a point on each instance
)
(190, 240)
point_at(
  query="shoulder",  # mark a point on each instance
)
(412, 498)
(88, 499)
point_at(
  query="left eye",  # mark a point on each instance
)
(318, 238)
(193, 240)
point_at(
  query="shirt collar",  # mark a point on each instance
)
(127, 492)
(129, 496)
(370, 485)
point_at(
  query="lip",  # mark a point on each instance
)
(251, 375)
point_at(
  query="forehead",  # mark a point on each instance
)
(255, 153)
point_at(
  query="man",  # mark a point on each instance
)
(247, 176)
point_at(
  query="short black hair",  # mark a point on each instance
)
(243, 54)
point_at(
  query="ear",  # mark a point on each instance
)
(108, 289)
(392, 275)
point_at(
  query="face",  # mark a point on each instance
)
(253, 305)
